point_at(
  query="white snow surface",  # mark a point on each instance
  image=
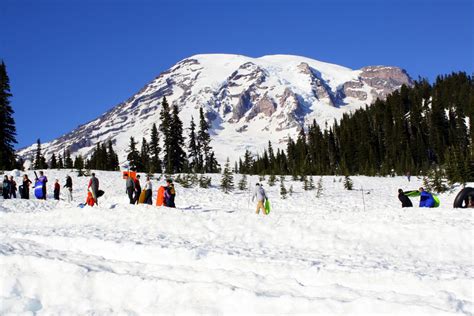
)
(347, 252)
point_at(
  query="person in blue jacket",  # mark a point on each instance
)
(426, 198)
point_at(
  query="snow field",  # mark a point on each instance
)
(214, 255)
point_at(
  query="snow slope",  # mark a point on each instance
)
(347, 252)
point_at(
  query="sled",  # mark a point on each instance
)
(436, 199)
(141, 198)
(39, 189)
(90, 199)
(160, 198)
(131, 174)
(267, 207)
(463, 197)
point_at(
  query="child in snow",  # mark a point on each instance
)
(93, 187)
(261, 196)
(57, 187)
(170, 193)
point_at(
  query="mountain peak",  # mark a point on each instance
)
(248, 101)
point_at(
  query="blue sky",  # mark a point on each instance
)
(70, 61)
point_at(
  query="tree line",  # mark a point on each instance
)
(415, 129)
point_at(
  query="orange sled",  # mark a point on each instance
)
(160, 197)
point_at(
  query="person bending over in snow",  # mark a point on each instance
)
(426, 198)
(406, 202)
(93, 187)
(261, 196)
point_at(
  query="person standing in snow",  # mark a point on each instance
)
(129, 188)
(138, 189)
(43, 179)
(426, 198)
(6, 188)
(170, 193)
(406, 202)
(57, 187)
(25, 191)
(148, 191)
(261, 196)
(93, 187)
(68, 187)
(12, 188)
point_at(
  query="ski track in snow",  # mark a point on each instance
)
(214, 255)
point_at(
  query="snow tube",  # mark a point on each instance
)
(462, 199)
(39, 189)
(21, 191)
(100, 193)
(160, 198)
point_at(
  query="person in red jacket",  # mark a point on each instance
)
(57, 187)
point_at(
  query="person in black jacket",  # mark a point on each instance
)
(406, 202)
(25, 187)
(6, 188)
(68, 187)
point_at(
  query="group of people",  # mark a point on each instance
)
(134, 190)
(426, 198)
(9, 187)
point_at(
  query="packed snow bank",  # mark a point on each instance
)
(347, 252)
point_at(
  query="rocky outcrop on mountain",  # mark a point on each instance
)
(247, 101)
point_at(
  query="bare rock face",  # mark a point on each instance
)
(382, 80)
(265, 105)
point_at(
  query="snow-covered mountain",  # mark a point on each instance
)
(249, 101)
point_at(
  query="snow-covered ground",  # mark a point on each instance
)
(347, 252)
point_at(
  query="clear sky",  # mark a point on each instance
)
(69, 61)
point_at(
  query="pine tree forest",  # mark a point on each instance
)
(413, 131)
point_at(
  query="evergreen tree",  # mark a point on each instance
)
(144, 157)
(7, 123)
(435, 181)
(54, 162)
(348, 184)
(60, 162)
(204, 182)
(283, 191)
(166, 131)
(243, 185)
(178, 156)
(133, 156)
(40, 161)
(227, 180)
(112, 158)
(68, 163)
(271, 180)
(193, 148)
(79, 163)
(155, 150)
